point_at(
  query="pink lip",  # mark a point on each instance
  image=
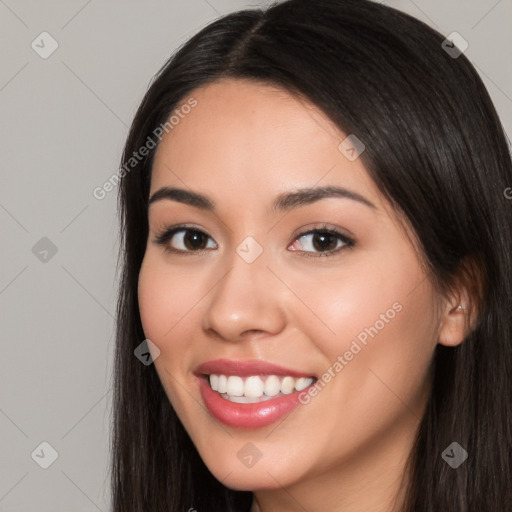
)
(246, 368)
(254, 415)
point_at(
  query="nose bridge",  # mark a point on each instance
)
(245, 299)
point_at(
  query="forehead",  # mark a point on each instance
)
(243, 136)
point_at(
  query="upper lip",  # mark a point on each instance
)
(246, 368)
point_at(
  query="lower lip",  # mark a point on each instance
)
(255, 415)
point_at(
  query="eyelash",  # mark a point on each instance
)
(166, 235)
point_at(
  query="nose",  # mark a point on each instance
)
(248, 300)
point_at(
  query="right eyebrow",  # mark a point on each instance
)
(183, 196)
(283, 202)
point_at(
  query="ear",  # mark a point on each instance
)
(455, 320)
(461, 306)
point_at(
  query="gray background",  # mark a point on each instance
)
(64, 121)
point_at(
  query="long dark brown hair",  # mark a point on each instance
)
(436, 149)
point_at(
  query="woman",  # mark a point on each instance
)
(316, 273)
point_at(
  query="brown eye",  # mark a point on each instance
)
(324, 241)
(180, 239)
(194, 240)
(321, 241)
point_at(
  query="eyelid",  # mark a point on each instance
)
(167, 233)
(323, 226)
(348, 241)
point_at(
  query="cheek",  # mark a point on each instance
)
(165, 300)
(375, 328)
(374, 321)
(166, 305)
(356, 297)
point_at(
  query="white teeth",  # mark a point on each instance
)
(214, 382)
(255, 389)
(222, 385)
(235, 386)
(272, 385)
(302, 383)
(246, 399)
(288, 385)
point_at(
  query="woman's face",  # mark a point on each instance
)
(352, 310)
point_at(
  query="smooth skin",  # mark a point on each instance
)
(242, 146)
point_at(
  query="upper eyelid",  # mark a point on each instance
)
(297, 234)
(167, 233)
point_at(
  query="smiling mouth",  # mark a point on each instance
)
(256, 388)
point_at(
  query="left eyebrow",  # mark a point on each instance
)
(283, 202)
(183, 196)
(305, 196)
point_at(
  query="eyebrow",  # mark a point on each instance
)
(283, 202)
